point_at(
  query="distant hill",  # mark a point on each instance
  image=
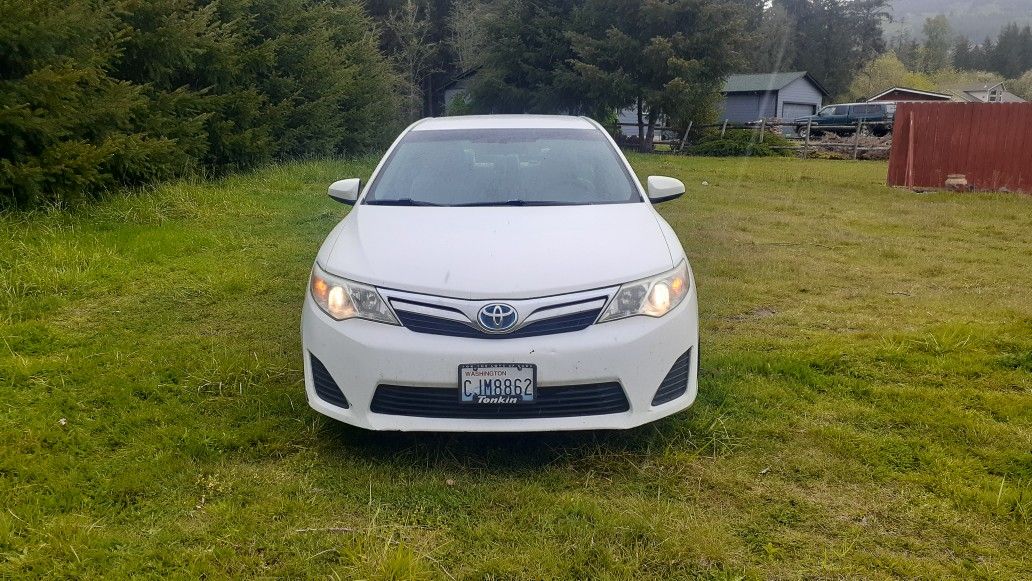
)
(972, 18)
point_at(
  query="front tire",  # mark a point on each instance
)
(802, 131)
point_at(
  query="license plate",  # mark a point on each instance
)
(497, 383)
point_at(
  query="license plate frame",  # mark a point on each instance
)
(470, 396)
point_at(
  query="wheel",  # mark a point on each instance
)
(801, 131)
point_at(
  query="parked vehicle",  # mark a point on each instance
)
(501, 273)
(842, 119)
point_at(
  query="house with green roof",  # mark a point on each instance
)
(771, 96)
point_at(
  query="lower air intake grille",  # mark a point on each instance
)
(553, 402)
(325, 387)
(675, 384)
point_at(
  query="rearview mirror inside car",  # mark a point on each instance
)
(345, 191)
(662, 188)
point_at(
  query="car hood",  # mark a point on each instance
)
(499, 252)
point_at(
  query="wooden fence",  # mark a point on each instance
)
(986, 145)
(806, 144)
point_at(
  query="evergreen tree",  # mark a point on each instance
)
(96, 94)
(524, 67)
(772, 47)
(665, 58)
(69, 129)
(1026, 48)
(1006, 57)
(962, 55)
(836, 38)
(935, 55)
(985, 54)
(908, 51)
(1010, 55)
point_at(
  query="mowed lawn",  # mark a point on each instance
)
(865, 406)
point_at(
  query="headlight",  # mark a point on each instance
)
(345, 299)
(654, 296)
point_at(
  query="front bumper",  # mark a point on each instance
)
(637, 352)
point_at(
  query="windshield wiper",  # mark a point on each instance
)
(522, 203)
(401, 202)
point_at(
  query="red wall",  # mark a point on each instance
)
(990, 143)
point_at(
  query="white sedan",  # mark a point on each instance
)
(501, 273)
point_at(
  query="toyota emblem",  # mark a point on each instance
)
(497, 317)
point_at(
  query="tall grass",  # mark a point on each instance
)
(864, 404)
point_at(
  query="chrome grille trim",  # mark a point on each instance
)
(552, 312)
(536, 311)
(429, 311)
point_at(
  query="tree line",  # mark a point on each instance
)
(99, 94)
(830, 39)
(1009, 55)
(664, 59)
(950, 63)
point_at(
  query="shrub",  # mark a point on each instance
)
(739, 142)
(67, 127)
(96, 94)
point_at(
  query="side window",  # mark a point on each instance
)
(841, 110)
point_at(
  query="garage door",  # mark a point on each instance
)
(791, 111)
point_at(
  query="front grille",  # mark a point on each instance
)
(552, 402)
(421, 323)
(325, 387)
(675, 384)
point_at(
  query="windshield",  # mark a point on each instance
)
(503, 167)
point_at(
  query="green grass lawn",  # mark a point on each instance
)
(865, 406)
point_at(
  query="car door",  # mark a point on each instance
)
(833, 115)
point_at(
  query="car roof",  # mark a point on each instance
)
(504, 122)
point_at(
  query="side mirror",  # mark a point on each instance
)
(345, 191)
(662, 188)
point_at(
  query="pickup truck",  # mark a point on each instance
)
(841, 119)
